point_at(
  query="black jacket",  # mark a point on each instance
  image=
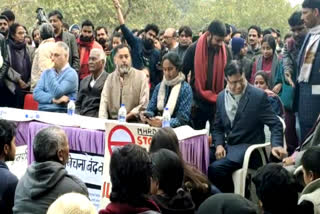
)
(8, 183)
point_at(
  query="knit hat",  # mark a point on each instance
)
(74, 26)
(227, 203)
(237, 44)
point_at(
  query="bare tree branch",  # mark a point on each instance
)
(128, 10)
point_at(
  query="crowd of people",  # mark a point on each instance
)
(239, 81)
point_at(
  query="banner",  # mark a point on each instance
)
(20, 164)
(89, 168)
(119, 135)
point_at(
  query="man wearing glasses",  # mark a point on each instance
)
(242, 112)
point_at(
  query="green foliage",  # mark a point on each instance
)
(174, 13)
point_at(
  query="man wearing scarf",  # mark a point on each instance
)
(86, 42)
(125, 85)
(308, 82)
(206, 59)
(142, 50)
(242, 112)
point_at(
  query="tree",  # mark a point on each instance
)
(165, 13)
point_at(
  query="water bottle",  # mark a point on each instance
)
(166, 117)
(122, 114)
(71, 107)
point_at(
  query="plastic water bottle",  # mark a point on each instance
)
(122, 114)
(166, 117)
(71, 107)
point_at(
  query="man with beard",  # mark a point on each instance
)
(290, 56)
(8, 181)
(55, 18)
(185, 40)
(308, 82)
(10, 15)
(206, 59)
(4, 26)
(102, 37)
(125, 85)
(143, 52)
(254, 48)
(86, 42)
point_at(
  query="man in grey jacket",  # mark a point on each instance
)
(46, 178)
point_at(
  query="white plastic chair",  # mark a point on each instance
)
(239, 176)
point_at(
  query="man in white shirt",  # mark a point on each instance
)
(88, 101)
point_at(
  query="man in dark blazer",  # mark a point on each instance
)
(89, 95)
(242, 111)
(307, 97)
(55, 18)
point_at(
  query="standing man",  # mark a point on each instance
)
(308, 86)
(206, 59)
(254, 48)
(125, 85)
(88, 100)
(55, 18)
(8, 181)
(102, 37)
(143, 51)
(59, 84)
(86, 42)
(290, 58)
(170, 39)
(185, 40)
(242, 112)
(10, 15)
(4, 26)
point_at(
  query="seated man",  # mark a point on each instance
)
(277, 192)
(292, 162)
(242, 111)
(125, 85)
(88, 101)
(8, 181)
(46, 178)
(130, 172)
(311, 174)
(59, 84)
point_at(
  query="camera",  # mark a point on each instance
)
(41, 16)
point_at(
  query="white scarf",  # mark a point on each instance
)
(172, 100)
(310, 54)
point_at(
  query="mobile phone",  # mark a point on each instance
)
(147, 114)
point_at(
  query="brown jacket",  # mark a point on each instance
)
(134, 94)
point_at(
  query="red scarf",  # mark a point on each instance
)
(84, 53)
(201, 68)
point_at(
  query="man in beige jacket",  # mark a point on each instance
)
(125, 85)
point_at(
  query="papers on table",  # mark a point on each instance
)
(185, 132)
